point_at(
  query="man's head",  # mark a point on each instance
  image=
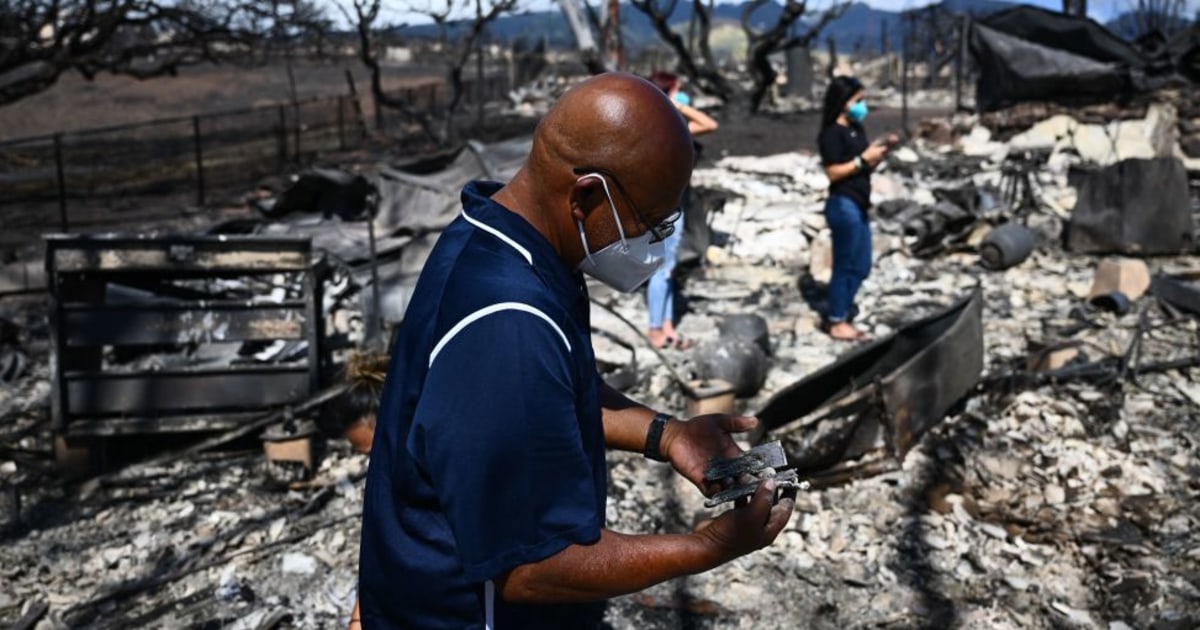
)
(614, 136)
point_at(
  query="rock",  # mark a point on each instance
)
(979, 143)
(1074, 615)
(820, 259)
(1044, 135)
(1016, 583)
(995, 531)
(906, 155)
(298, 563)
(1129, 276)
(1054, 494)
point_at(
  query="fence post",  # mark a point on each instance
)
(358, 113)
(479, 94)
(62, 184)
(341, 104)
(964, 32)
(199, 161)
(905, 48)
(296, 130)
(282, 137)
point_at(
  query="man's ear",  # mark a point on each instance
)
(586, 195)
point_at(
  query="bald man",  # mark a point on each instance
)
(486, 495)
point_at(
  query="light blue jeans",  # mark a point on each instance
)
(660, 290)
(851, 254)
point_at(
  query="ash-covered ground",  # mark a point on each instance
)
(1068, 504)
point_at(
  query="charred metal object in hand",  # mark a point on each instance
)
(748, 470)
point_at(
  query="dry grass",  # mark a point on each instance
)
(76, 104)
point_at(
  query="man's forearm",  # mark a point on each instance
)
(626, 421)
(617, 564)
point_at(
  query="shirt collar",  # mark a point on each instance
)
(484, 213)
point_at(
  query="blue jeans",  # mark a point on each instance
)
(660, 289)
(851, 254)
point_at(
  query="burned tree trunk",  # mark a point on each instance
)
(777, 39)
(366, 12)
(704, 72)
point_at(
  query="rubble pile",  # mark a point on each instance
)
(1039, 504)
(1061, 492)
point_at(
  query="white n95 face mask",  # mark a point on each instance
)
(628, 262)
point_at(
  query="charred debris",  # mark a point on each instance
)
(1016, 449)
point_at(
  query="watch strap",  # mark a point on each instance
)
(654, 437)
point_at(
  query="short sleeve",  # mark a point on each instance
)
(497, 431)
(833, 146)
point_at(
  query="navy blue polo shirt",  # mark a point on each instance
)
(489, 447)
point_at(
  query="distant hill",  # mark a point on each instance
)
(1128, 26)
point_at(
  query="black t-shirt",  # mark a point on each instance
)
(839, 145)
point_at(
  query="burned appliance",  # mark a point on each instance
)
(1137, 207)
(879, 399)
(175, 334)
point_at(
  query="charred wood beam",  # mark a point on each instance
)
(93, 394)
(1096, 371)
(32, 616)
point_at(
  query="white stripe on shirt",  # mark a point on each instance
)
(489, 605)
(495, 308)
(500, 235)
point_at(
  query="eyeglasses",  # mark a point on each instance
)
(659, 231)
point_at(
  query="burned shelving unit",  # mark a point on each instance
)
(178, 334)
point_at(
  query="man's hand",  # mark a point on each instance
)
(690, 444)
(749, 527)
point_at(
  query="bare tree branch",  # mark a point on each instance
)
(705, 73)
(437, 125)
(699, 63)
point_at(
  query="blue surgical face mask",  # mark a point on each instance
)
(626, 263)
(857, 112)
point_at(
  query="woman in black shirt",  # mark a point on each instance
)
(848, 159)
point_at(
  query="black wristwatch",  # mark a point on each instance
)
(654, 437)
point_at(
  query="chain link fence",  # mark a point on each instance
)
(90, 179)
